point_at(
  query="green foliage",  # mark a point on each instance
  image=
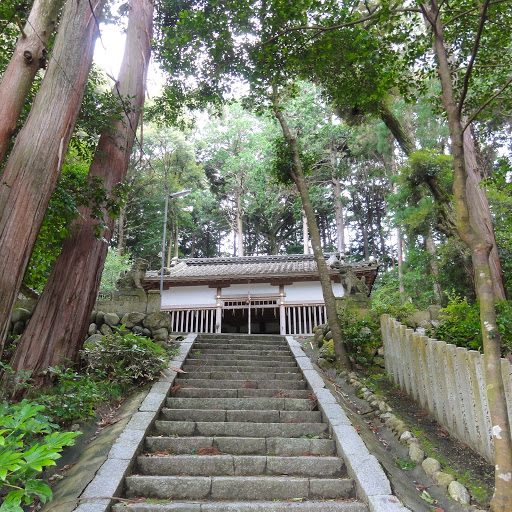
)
(361, 336)
(387, 299)
(23, 454)
(460, 323)
(115, 264)
(74, 396)
(113, 367)
(283, 167)
(124, 359)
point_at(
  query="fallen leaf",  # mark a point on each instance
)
(208, 451)
(178, 370)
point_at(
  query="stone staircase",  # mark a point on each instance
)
(240, 432)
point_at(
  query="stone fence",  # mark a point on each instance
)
(446, 380)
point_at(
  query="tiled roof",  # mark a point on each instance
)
(248, 266)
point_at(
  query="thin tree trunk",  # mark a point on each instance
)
(60, 321)
(305, 232)
(400, 258)
(239, 224)
(323, 272)
(28, 58)
(176, 240)
(480, 249)
(33, 167)
(170, 244)
(120, 230)
(434, 267)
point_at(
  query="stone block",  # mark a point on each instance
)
(141, 421)
(385, 503)
(314, 380)
(109, 478)
(127, 445)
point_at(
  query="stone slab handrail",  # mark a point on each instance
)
(446, 380)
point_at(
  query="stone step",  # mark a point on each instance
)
(220, 356)
(195, 361)
(240, 354)
(231, 369)
(285, 404)
(240, 465)
(240, 429)
(191, 392)
(239, 416)
(267, 338)
(284, 385)
(238, 488)
(293, 447)
(220, 375)
(253, 506)
(240, 347)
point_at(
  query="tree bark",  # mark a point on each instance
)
(59, 324)
(405, 141)
(323, 272)
(33, 167)
(28, 58)
(476, 239)
(477, 201)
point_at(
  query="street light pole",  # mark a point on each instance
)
(174, 195)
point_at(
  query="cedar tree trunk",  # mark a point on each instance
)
(59, 324)
(34, 164)
(480, 247)
(239, 225)
(28, 58)
(323, 272)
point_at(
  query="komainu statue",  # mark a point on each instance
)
(133, 278)
(351, 283)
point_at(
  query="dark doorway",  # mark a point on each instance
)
(263, 321)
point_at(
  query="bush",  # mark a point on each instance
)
(361, 336)
(460, 324)
(125, 359)
(23, 454)
(74, 396)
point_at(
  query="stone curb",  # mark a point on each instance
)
(108, 481)
(372, 484)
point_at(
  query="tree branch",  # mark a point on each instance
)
(473, 116)
(474, 52)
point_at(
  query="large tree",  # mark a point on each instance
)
(34, 164)
(59, 324)
(30, 55)
(457, 102)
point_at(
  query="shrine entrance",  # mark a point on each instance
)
(251, 316)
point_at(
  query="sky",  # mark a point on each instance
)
(108, 54)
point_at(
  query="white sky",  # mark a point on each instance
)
(108, 54)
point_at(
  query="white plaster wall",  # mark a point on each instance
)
(254, 288)
(188, 295)
(309, 291)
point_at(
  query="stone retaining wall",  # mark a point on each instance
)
(446, 380)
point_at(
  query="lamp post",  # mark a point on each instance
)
(174, 195)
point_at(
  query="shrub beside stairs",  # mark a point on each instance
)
(249, 427)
